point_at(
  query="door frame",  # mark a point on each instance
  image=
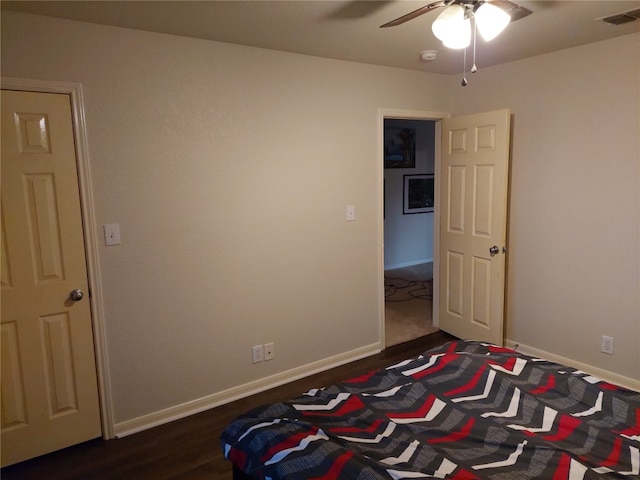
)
(74, 90)
(399, 114)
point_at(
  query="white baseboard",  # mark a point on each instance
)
(595, 371)
(408, 264)
(170, 414)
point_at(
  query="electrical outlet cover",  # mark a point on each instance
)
(257, 354)
(607, 345)
(269, 352)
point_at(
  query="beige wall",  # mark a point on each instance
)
(229, 169)
(574, 246)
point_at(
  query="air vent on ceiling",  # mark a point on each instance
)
(623, 18)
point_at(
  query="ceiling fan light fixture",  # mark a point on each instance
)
(448, 17)
(491, 21)
(452, 28)
(461, 37)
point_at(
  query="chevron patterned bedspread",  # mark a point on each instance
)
(466, 410)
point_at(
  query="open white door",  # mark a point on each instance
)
(473, 225)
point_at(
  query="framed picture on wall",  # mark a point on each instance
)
(399, 147)
(418, 194)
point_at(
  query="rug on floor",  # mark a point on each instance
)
(408, 309)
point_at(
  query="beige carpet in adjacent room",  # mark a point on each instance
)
(408, 303)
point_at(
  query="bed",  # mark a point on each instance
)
(465, 410)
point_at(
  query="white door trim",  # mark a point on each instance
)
(74, 90)
(384, 113)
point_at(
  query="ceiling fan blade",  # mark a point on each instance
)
(515, 11)
(415, 13)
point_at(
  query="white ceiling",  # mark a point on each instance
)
(349, 30)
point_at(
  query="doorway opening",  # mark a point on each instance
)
(409, 171)
(471, 169)
(408, 262)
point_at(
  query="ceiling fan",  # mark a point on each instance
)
(460, 18)
(515, 11)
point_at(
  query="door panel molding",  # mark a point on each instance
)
(74, 90)
(474, 209)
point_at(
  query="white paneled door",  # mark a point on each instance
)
(49, 386)
(473, 224)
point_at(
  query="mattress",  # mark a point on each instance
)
(465, 410)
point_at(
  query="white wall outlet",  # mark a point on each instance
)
(257, 353)
(351, 213)
(607, 345)
(269, 352)
(111, 234)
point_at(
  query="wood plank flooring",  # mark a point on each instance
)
(190, 448)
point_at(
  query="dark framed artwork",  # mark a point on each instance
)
(399, 147)
(418, 194)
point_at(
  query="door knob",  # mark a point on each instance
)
(76, 295)
(494, 250)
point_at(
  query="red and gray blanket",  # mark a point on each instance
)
(466, 410)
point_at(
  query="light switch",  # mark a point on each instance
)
(112, 234)
(351, 213)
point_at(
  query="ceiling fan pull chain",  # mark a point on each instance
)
(474, 69)
(464, 69)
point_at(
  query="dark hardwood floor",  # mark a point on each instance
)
(190, 448)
